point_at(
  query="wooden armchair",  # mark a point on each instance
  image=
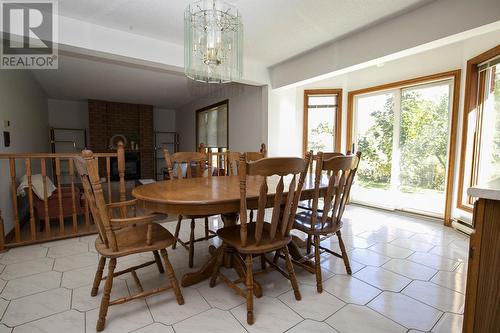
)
(199, 162)
(321, 224)
(121, 233)
(248, 239)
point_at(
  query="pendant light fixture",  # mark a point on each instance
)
(213, 42)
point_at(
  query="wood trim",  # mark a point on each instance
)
(455, 75)
(338, 116)
(473, 266)
(226, 102)
(452, 148)
(470, 103)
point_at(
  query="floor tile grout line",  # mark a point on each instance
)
(385, 269)
(4, 311)
(35, 293)
(289, 329)
(437, 270)
(29, 275)
(422, 302)
(366, 305)
(431, 266)
(147, 307)
(440, 285)
(154, 320)
(34, 320)
(383, 315)
(232, 314)
(440, 317)
(279, 299)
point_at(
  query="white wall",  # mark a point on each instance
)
(247, 117)
(164, 120)
(68, 114)
(286, 106)
(24, 104)
(74, 114)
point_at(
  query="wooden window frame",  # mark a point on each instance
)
(337, 117)
(224, 102)
(455, 75)
(470, 104)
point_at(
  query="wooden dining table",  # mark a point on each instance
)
(212, 196)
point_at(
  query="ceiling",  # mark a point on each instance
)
(80, 78)
(274, 31)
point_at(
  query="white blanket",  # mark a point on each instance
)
(37, 183)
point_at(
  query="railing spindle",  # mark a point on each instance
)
(56, 173)
(17, 225)
(59, 196)
(121, 170)
(108, 178)
(87, 215)
(43, 167)
(30, 199)
(73, 199)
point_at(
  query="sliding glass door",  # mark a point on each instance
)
(480, 150)
(403, 135)
(374, 127)
(488, 166)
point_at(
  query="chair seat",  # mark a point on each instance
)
(303, 223)
(132, 240)
(231, 236)
(187, 217)
(308, 205)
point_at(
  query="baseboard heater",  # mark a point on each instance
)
(462, 226)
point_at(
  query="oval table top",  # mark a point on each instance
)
(212, 196)
(209, 195)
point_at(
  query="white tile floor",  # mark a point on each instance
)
(408, 276)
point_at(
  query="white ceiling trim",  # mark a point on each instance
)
(423, 28)
(94, 39)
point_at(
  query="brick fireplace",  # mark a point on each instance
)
(134, 121)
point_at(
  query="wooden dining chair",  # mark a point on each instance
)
(307, 204)
(257, 238)
(126, 234)
(252, 156)
(324, 223)
(234, 157)
(196, 165)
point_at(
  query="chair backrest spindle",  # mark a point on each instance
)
(175, 162)
(340, 170)
(286, 176)
(251, 156)
(88, 169)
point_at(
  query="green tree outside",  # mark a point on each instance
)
(423, 144)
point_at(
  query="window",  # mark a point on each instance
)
(212, 126)
(480, 151)
(405, 132)
(322, 120)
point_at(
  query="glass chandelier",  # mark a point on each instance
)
(213, 42)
